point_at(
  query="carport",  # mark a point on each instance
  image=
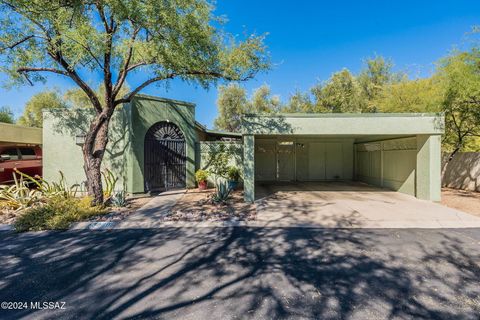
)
(400, 152)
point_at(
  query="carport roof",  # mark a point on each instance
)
(341, 124)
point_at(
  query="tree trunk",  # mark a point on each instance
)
(93, 150)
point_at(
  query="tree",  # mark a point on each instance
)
(32, 114)
(420, 95)
(298, 102)
(340, 93)
(460, 76)
(375, 75)
(76, 98)
(6, 115)
(232, 104)
(111, 39)
(262, 101)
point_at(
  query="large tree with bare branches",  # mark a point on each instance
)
(159, 40)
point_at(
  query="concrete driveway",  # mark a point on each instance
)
(351, 205)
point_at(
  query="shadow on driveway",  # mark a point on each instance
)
(223, 273)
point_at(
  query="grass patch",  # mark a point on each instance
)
(57, 214)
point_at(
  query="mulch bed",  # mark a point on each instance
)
(197, 205)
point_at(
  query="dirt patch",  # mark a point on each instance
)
(466, 201)
(118, 214)
(196, 205)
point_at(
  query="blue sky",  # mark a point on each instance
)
(309, 40)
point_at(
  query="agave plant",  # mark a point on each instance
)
(119, 199)
(222, 192)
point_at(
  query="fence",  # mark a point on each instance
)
(462, 172)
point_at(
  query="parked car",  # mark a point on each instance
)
(27, 159)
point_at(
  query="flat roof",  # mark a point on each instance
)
(12, 133)
(342, 115)
(342, 124)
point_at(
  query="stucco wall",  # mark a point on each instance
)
(462, 172)
(60, 153)
(390, 164)
(12, 133)
(145, 111)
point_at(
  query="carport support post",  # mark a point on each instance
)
(428, 179)
(249, 167)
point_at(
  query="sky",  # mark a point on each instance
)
(310, 40)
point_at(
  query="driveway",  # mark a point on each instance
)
(351, 205)
(244, 273)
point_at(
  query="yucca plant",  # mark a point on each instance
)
(110, 182)
(19, 196)
(51, 189)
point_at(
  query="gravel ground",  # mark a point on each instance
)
(466, 201)
(197, 205)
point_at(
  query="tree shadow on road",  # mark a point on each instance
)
(244, 273)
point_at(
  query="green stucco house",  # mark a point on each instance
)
(156, 144)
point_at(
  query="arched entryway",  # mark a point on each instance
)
(164, 157)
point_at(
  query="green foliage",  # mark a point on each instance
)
(109, 183)
(262, 101)
(19, 196)
(420, 95)
(201, 175)
(30, 191)
(6, 115)
(341, 93)
(233, 173)
(76, 98)
(459, 74)
(299, 102)
(50, 189)
(57, 214)
(231, 104)
(222, 192)
(218, 160)
(32, 114)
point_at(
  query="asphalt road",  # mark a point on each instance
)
(242, 273)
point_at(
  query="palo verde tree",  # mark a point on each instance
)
(110, 40)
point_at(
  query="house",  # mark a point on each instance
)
(156, 144)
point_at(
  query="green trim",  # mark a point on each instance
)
(160, 99)
(340, 115)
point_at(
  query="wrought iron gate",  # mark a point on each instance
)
(164, 157)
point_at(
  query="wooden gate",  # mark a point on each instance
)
(164, 158)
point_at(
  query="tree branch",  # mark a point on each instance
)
(172, 75)
(32, 69)
(19, 42)
(125, 69)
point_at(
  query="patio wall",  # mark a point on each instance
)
(205, 150)
(462, 172)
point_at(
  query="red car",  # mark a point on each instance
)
(27, 159)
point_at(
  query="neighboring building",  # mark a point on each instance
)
(156, 143)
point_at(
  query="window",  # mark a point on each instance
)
(12, 152)
(28, 153)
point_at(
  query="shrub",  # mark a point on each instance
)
(57, 214)
(233, 173)
(201, 175)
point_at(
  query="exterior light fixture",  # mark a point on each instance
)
(80, 139)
